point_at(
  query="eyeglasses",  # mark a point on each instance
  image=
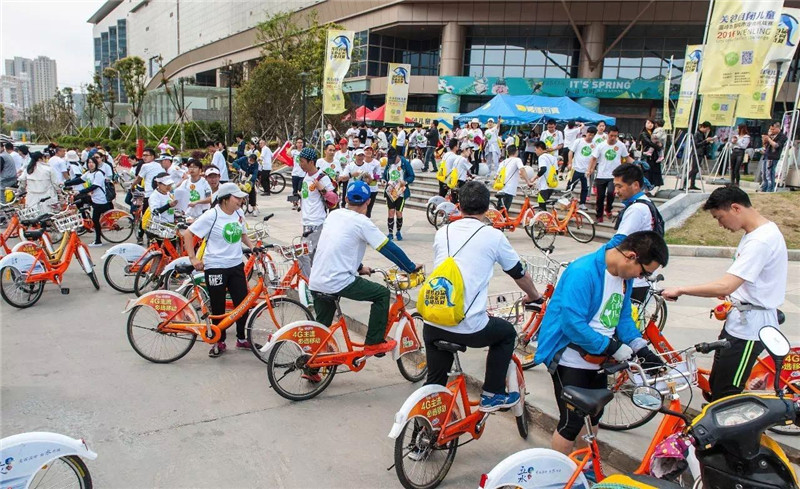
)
(645, 273)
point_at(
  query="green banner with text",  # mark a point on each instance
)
(555, 87)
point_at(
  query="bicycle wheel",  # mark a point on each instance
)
(658, 306)
(198, 295)
(288, 374)
(418, 461)
(151, 344)
(581, 227)
(148, 275)
(413, 365)
(69, 471)
(173, 279)
(527, 220)
(261, 325)
(93, 279)
(440, 219)
(117, 230)
(542, 230)
(277, 183)
(522, 423)
(621, 413)
(116, 271)
(16, 291)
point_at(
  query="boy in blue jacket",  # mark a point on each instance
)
(398, 175)
(589, 322)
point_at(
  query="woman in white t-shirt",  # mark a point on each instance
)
(223, 229)
(492, 147)
(328, 163)
(514, 170)
(96, 189)
(162, 202)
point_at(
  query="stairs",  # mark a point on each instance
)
(426, 186)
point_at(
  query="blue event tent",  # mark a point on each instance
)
(530, 109)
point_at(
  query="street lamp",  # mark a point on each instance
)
(303, 76)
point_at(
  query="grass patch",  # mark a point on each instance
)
(782, 208)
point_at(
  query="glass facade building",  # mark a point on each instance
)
(112, 45)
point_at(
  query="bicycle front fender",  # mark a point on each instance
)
(436, 200)
(21, 261)
(534, 467)
(165, 303)
(130, 251)
(113, 215)
(405, 338)
(24, 454)
(429, 402)
(447, 207)
(184, 260)
(304, 333)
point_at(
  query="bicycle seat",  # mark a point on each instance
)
(447, 346)
(33, 234)
(326, 297)
(588, 401)
(184, 268)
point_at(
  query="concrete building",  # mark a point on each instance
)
(44, 82)
(16, 91)
(110, 33)
(611, 56)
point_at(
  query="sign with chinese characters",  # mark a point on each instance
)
(688, 91)
(338, 51)
(740, 34)
(718, 110)
(399, 77)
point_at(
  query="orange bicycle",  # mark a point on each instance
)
(22, 275)
(428, 426)
(300, 351)
(546, 225)
(159, 254)
(163, 325)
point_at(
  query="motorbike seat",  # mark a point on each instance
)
(448, 346)
(33, 234)
(589, 402)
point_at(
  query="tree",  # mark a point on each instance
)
(106, 82)
(2, 119)
(132, 72)
(270, 99)
(94, 101)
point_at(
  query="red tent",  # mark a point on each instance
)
(379, 114)
(359, 114)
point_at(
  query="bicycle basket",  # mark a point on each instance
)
(543, 269)
(161, 229)
(277, 272)
(68, 220)
(397, 280)
(506, 305)
(683, 374)
(259, 231)
(34, 211)
(294, 251)
(563, 203)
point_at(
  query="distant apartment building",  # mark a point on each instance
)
(110, 32)
(44, 82)
(16, 84)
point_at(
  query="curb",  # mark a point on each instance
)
(715, 251)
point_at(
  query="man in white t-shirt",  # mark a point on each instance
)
(338, 262)
(264, 166)
(546, 162)
(400, 142)
(313, 209)
(755, 284)
(476, 248)
(198, 188)
(297, 172)
(351, 134)
(607, 155)
(511, 169)
(491, 148)
(580, 155)
(217, 152)
(59, 165)
(552, 138)
(447, 161)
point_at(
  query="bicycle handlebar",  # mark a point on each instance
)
(268, 217)
(612, 368)
(713, 346)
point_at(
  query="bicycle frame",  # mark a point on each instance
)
(532, 327)
(54, 272)
(469, 423)
(502, 220)
(12, 228)
(560, 225)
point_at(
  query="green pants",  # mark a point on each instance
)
(360, 290)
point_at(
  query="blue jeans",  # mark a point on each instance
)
(768, 175)
(580, 177)
(429, 157)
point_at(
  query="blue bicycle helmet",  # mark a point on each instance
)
(358, 192)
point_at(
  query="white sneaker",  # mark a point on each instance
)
(94, 245)
(582, 207)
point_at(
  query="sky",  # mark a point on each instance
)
(53, 28)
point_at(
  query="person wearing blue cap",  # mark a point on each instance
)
(338, 262)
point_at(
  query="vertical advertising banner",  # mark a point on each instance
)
(338, 50)
(739, 36)
(719, 110)
(691, 71)
(667, 84)
(397, 93)
(758, 103)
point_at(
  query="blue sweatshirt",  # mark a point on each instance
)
(408, 175)
(573, 305)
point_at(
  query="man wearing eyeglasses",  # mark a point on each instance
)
(588, 322)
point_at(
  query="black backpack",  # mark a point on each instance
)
(658, 221)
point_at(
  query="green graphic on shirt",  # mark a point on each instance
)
(330, 172)
(549, 141)
(611, 155)
(305, 190)
(232, 232)
(394, 175)
(586, 151)
(599, 140)
(488, 136)
(194, 195)
(609, 316)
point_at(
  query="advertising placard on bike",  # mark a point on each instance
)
(168, 305)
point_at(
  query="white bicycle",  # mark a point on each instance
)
(42, 460)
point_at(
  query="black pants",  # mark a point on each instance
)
(570, 423)
(97, 211)
(264, 175)
(605, 192)
(454, 192)
(372, 197)
(252, 196)
(476, 161)
(430, 156)
(694, 171)
(297, 184)
(737, 158)
(231, 280)
(581, 178)
(140, 231)
(443, 189)
(499, 335)
(732, 366)
(504, 200)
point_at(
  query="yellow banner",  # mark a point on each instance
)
(667, 85)
(338, 50)
(739, 37)
(397, 93)
(688, 93)
(719, 110)
(758, 103)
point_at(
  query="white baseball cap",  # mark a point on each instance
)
(212, 171)
(475, 121)
(490, 120)
(359, 151)
(230, 188)
(166, 180)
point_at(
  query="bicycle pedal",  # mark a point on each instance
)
(65, 291)
(358, 361)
